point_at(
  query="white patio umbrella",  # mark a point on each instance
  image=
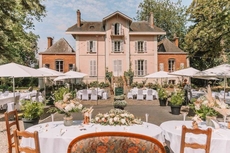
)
(71, 75)
(160, 74)
(221, 71)
(14, 70)
(50, 71)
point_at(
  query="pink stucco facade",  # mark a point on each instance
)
(116, 47)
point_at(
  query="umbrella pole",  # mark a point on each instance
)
(224, 86)
(14, 89)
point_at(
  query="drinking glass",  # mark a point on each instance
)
(52, 118)
(147, 117)
(184, 115)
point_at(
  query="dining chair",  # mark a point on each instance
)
(205, 146)
(110, 142)
(85, 95)
(11, 120)
(140, 95)
(149, 95)
(26, 134)
(94, 95)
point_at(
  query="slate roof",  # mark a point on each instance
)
(166, 45)
(60, 47)
(98, 26)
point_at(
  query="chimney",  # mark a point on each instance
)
(176, 40)
(78, 18)
(50, 42)
(151, 22)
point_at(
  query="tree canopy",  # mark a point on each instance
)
(17, 42)
(209, 35)
(170, 16)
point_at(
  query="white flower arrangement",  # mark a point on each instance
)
(116, 117)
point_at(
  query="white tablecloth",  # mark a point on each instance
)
(89, 91)
(51, 140)
(134, 92)
(6, 99)
(220, 142)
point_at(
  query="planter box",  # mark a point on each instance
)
(175, 110)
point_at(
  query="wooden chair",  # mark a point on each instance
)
(205, 146)
(115, 142)
(25, 134)
(11, 119)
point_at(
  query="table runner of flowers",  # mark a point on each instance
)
(116, 117)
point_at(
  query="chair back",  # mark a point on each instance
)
(149, 92)
(140, 92)
(26, 134)
(205, 146)
(93, 92)
(11, 120)
(115, 142)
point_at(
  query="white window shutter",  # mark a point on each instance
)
(145, 46)
(44, 65)
(120, 67)
(112, 29)
(95, 67)
(91, 68)
(145, 67)
(112, 46)
(181, 65)
(161, 66)
(74, 67)
(94, 46)
(122, 43)
(120, 29)
(136, 46)
(88, 46)
(136, 67)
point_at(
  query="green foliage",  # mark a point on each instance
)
(119, 104)
(120, 97)
(162, 93)
(32, 110)
(129, 75)
(209, 33)
(94, 84)
(177, 98)
(17, 42)
(58, 94)
(203, 111)
(108, 75)
(168, 15)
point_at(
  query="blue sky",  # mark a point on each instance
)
(61, 14)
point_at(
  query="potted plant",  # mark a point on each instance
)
(176, 100)
(120, 104)
(31, 112)
(163, 96)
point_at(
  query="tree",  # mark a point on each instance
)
(209, 35)
(17, 42)
(170, 16)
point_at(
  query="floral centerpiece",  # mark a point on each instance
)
(87, 113)
(208, 106)
(116, 117)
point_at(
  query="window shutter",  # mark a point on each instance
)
(91, 68)
(122, 43)
(136, 46)
(95, 67)
(74, 67)
(120, 67)
(112, 29)
(44, 65)
(120, 29)
(136, 66)
(112, 46)
(161, 66)
(94, 46)
(181, 65)
(145, 47)
(88, 46)
(145, 67)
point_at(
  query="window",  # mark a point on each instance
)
(161, 66)
(117, 68)
(116, 29)
(117, 46)
(47, 65)
(71, 67)
(140, 67)
(140, 46)
(59, 65)
(93, 68)
(171, 64)
(91, 46)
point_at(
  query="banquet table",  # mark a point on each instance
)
(6, 99)
(89, 91)
(220, 141)
(55, 137)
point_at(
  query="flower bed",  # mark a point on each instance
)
(116, 117)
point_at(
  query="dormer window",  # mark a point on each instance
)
(91, 27)
(117, 29)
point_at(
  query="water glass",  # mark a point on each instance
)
(184, 115)
(147, 117)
